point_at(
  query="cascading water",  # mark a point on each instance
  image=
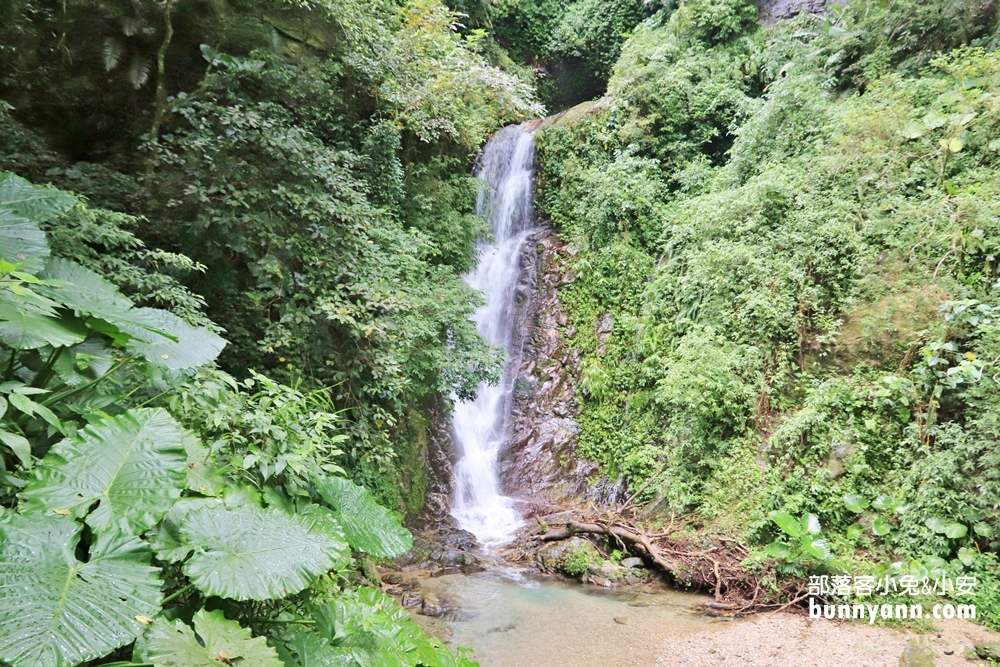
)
(479, 425)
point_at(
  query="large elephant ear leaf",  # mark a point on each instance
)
(369, 527)
(166, 340)
(23, 329)
(214, 641)
(23, 206)
(248, 553)
(56, 610)
(86, 293)
(34, 202)
(134, 466)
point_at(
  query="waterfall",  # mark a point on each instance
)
(479, 425)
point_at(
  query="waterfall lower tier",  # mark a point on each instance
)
(479, 426)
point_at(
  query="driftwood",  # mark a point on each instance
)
(713, 563)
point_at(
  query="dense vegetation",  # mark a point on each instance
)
(231, 240)
(793, 231)
(243, 292)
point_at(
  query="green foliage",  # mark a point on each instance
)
(715, 22)
(807, 544)
(77, 539)
(365, 627)
(298, 170)
(249, 553)
(59, 610)
(131, 466)
(174, 644)
(578, 559)
(572, 43)
(804, 324)
(368, 527)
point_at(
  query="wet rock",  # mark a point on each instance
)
(539, 460)
(447, 570)
(393, 578)
(609, 575)
(772, 11)
(918, 653)
(434, 605)
(447, 557)
(410, 601)
(631, 562)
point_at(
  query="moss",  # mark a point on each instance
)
(413, 463)
(578, 559)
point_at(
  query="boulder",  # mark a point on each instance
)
(918, 653)
(435, 605)
(988, 650)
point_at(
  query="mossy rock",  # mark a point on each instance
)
(572, 556)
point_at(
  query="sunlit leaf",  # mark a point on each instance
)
(214, 641)
(786, 522)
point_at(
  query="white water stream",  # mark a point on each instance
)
(479, 425)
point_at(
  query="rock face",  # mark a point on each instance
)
(539, 467)
(772, 11)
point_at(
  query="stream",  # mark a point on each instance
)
(513, 617)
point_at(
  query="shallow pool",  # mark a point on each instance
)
(515, 620)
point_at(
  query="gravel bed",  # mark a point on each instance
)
(787, 640)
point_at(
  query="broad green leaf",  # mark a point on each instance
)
(880, 526)
(372, 630)
(816, 547)
(87, 293)
(248, 553)
(778, 550)
(214, 641)
(937, 524)
(967, 555)
(854, 531)
(934, 120)
(302, 648)
(56, 610)
(134, 464)
(956, 530)
(914, 130)
(883, 502)
(369, 527)
(19, 445)
(23, 329)
(184, 347)
(810, 524)
(165, 538)
(786, 522)
(983, 529)
(22, 242)
(856, 502)
(203, 476)
(956, 145)
(36, 203)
